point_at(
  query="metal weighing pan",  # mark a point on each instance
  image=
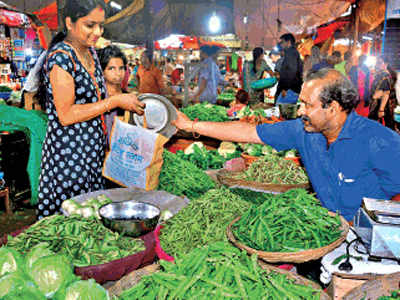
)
(159, 113)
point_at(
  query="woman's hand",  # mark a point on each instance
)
(183, 122)
(130, 102)
(381, 114)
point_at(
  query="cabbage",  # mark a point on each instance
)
(51, 273)
(85, 290)
(10, 261)
(11, 282)
(26, 292)
(40, 250)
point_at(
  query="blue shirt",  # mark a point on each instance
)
(364, 161)
(211, 73)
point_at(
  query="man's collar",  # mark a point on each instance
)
(347, 131)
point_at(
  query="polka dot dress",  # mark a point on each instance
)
(72, 156)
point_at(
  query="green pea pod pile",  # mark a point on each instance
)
(253, 197)
(218, 271)
(181, 177)
(291, 222)
(85, 240)
(206, 112)
(202, 222)
(394, 295)
(274, 170)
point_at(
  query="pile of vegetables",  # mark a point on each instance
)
(181, 177)
(218, 271)
(202, 222)
(291, 222)
(253, 197)
(257, 149)
(205, 159)
(5, 89)
(273, 169)
(393, 296)
(84, 241)
(206, 112)
(90, 207)
(43, 275)
(228, 97)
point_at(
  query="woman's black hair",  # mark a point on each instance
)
(257, 52)
(242, 96)
(109, 52)
(74, 9)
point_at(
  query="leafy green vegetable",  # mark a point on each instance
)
(5, 89)
(85, 290)
(11, 282)
(206, 112)
(393, 296)
(25, 292)
(38, 251)
(202, 222)
(181, 177)
(206, 159)
(51, 274)
(10, 261)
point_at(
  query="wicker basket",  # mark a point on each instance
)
(291, 257)
(375, 288)
(249, 159)
(297, 278)
(225, 177)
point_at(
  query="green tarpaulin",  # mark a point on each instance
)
(34, 124)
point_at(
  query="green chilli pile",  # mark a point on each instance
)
(291, 222)
(202, 222)
(206, 112)
(274, 170)
(84, 240)
(182, 178)
(218, 271)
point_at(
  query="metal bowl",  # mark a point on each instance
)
(131, 218)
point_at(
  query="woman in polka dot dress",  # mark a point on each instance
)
(73, 150)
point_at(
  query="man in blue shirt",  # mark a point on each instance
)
(346, 156)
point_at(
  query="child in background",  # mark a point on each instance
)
(241, 100)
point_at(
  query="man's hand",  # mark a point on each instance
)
(283, 93)
(381, 114)
(183, 122)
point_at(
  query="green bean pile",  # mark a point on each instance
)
(253, 197)
(202, 222)
(275, 170)
(218, 271)
(86, 241)
(292, 222)
(181, 177)
(206, 112)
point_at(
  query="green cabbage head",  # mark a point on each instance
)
(38, 251)
(51, 274)
(85, 290)
(26, 292)
(11, 282)
(10, 261)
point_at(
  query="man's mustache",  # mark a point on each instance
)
(306, 119)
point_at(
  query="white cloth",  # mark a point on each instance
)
(32, 80)
(360, 267)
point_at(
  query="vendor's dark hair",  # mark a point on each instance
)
(341, 90)
(288, 37)
(109, 52)
(149, 54)
(242, 96)
(257, 52)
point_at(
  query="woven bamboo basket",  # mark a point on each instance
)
(225, 177)
(249, 159)
(375, 288)
(297, 278)
(291, 257)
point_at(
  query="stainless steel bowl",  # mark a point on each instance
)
(130, 217)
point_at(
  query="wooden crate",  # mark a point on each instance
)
(342, 284)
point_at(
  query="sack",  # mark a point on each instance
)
(135, 157)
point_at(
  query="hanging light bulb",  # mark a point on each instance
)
(215, 23)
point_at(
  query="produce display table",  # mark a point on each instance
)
(342, 282)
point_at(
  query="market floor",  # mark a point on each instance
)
(20, 218)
